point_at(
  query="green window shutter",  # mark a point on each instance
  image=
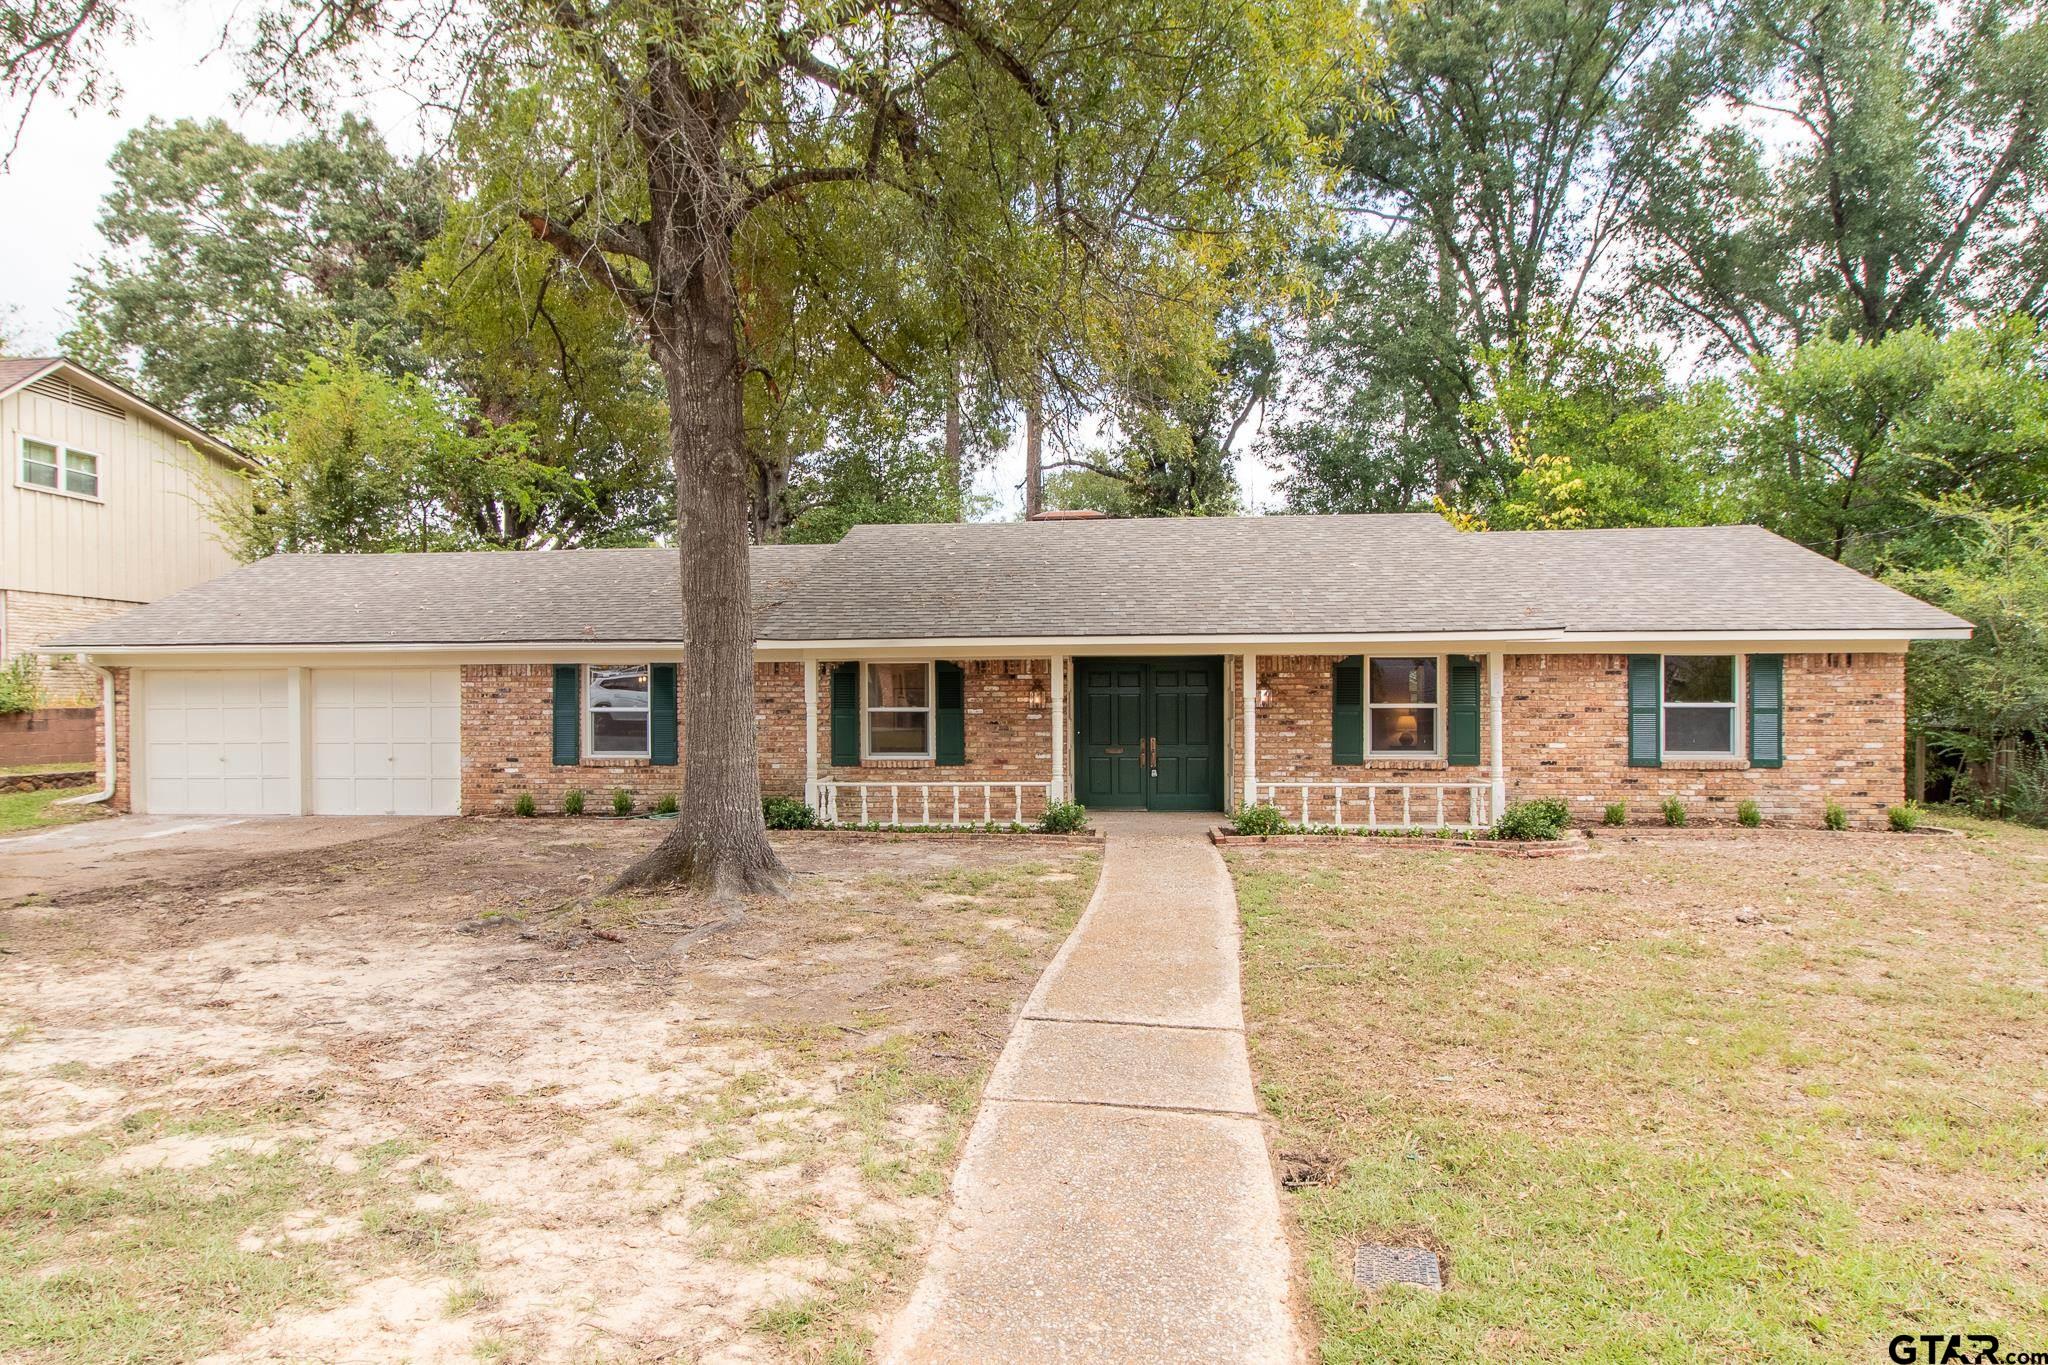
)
(661, 715)
(568, 714)
(1645, 701)
(1766, 710)
(949, 744)
(1463, 745)
(1347, 710)
(846, 715)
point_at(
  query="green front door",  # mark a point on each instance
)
(1149, 733)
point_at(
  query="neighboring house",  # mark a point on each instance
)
(104, 506)
(1352, 669)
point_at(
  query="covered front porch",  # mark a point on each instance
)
(1357, 740)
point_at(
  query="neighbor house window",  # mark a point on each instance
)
(60, 469)
(1402, 706)
(615, 710)
(899, 711)
(1699, 705)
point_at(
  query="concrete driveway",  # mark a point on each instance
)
(134, 847)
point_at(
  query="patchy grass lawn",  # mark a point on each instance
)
(1640, 1124)
(425, 1097)
(21, 811)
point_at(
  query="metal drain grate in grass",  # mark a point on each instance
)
(1379, 1266)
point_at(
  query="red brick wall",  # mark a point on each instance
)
(1845, 739)
(1564, 734)
(53, 734)
(1008, 740)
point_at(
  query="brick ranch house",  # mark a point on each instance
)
(1382, 670)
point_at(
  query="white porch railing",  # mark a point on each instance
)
(1385, 805)
(924, 803)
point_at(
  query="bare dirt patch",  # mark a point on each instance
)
(425, 1096)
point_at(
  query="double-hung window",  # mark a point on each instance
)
(1699, 705)
(615, 710)
(59, 469)
(897, 720)
(1404, 707)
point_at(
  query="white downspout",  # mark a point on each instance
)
(105, 793)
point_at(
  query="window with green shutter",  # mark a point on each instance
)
(950, 723)
(1645, 714)
(1347, 710)
(568, 717)
(1767, 710)
(1463, 750)
(661, 718)
(846, 715)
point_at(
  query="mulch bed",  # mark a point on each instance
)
(1570, 843)
(1764, 831)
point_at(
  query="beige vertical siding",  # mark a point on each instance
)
(148, 536)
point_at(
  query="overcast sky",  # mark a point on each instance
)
(58, 175)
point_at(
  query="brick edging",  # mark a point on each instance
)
(1225, 837)
(996, 835)
(1780, 831)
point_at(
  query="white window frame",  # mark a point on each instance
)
(1436, 749)
(930, 710)
(64, 454)
(1738, 662)
(64, 467)
(590, 749)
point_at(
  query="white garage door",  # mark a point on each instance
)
(386, 741)
(217, 743)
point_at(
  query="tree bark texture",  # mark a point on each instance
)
(1034, 459)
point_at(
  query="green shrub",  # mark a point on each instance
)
(1063, 817)
(665, 804)
(1833, 816)
(21, 685)
(572, 802)
(1904, 819)
(1264, 818)
(1616, 813)
(1542, 819)
(1748, 815)
(787, 812)
(622, 802)
(1674, 812)
(522, 804)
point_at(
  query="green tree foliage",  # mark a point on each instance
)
(229, 259)
(1884, 170)
(1608, 441)
(350, 459)
(1974, 693)
(1502, 155)
(1846, 442)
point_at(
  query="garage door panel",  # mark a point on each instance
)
(377, 750)
(216, 742)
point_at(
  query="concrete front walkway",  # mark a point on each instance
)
(1115, 1201)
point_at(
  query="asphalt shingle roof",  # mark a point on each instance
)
(1256, 577)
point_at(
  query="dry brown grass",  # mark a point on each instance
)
(1755, 1098)
(425, 1097)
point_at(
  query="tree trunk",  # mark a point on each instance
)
(1034, 458)
(956, 445)
(719, 845)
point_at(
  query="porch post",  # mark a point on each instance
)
(1059, 728)
(1500, 772)
(1248, 668)
(810, 731)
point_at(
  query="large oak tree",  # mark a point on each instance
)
(1076, 178)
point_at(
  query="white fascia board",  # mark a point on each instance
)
(637, 651)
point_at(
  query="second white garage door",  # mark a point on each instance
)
(387, 741)
(216, 742)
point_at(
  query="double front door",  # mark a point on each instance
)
(1150, 733)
